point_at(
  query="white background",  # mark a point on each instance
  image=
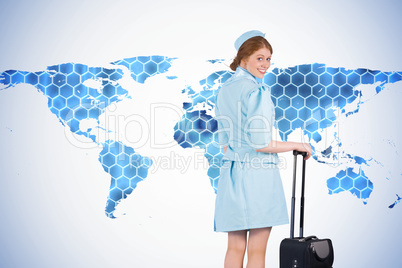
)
(53, 194)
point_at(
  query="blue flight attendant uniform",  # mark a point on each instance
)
(250, 191)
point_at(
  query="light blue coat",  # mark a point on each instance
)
(245, 114)
(250, 192)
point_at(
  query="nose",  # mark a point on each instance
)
(265, 63)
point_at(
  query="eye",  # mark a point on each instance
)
(259, 58)
(268, 59)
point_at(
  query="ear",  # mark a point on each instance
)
(243, 63)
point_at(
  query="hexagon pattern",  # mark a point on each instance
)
(305, 97)
(71, 101)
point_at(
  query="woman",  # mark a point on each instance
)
(250, 197)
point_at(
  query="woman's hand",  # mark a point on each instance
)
(304, 147)
(225, 149)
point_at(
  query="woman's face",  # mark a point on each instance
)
(258, 62)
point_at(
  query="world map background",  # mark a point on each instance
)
(45, 200)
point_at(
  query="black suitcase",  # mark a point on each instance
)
(304, 252)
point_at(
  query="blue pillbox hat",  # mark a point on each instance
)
(247, 35)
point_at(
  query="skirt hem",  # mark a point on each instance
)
(252, 226)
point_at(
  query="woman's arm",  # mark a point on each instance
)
(280, 147)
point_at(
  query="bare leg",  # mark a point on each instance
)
(257, 247)
(237, 241)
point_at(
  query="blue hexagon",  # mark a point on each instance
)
(66, 68)
(199, 125)
(278, 113)
(17, 77)
(130, 171)
(367, 78)
(297, 124)
(304, 69)
(73, 102)
(123, 159)
(304, 113)
(353, 79)
(284, 124)
(339, 79)
(206, 137)
(277, 91)
(66, 114)
(143, 59)
(108, 160)
(318, 91)
(94, 113)
(297, 102)
(122, 183)
(59, 79)
(290, 91)
(81, 114)
(283, 79)
(284, 102)
(116, 194)
(66, 91)
(360, 183)
(332, 91)
(32, 78)
(137, 68)
(192, 137)
(290, 113)
(270, 79)
(116, 171)
(305, 91)
(318, 68)
(59, 102)
(325, 79)
(297, 79)
(45, 79)
(325, 102)
(333, 183)
(346, 91)
(213, 171)
(312, 79)
(52, 91)
(318, 114)
(311, 102)
(109, 90)
(73, 79)
(80, 68)
(346, 183)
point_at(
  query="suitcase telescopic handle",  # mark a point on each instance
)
(292, 220)
(304, 154)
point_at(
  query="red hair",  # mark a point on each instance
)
(248, 48)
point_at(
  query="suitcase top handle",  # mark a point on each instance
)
(304, 154)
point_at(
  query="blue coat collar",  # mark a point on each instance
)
(241, 72)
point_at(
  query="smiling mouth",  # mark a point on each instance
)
(263, 71)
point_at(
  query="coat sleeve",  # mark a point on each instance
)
(260, 118)
(223, 126)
